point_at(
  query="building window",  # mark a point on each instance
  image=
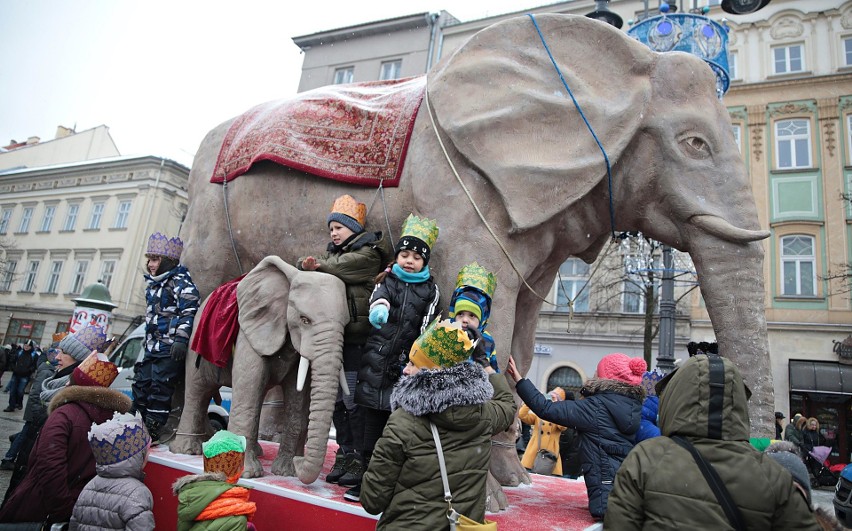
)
(567, 378)
(30, 277)
(787, 59)
(71, 217)
(736, 129)
(122, 215)
(391, 69)
(80, 271)
(97, 214)
(633, 297)
(573, 276)
(5, 216)
(793, 144)
(53, 278)
(798, 265)
(107, 272)
(47, 219)
(8, 275)
(733, 65)
(20, 330)
(26, 217)
(847, 51)
(344, 75)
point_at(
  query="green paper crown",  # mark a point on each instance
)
(426, 230)
(443, 344)
(476, 276)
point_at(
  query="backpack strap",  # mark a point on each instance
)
(717, 396)
(715, 483)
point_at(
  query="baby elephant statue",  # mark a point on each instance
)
(291, 335)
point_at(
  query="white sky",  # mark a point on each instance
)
(161, 73)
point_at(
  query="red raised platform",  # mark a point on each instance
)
(287, 503)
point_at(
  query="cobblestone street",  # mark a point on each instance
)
(10, 423)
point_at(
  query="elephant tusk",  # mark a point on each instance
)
(343, 384)
(722, 229)
(304, 365)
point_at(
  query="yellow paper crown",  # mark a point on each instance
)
(443, 344)
(426, 230)
(349, 206)
(476, 276)
(95, 371)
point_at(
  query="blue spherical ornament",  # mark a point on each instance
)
(664, 7)
(705, 10)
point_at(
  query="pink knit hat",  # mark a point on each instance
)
(618, 366)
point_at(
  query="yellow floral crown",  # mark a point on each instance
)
(476, 276)
(425, 230)
(443, 344)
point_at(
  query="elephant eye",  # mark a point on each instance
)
(305, 320)
(695, 147)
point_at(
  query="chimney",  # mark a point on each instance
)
(62, 131)
(33, 140)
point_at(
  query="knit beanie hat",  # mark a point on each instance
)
(784, 454)
(442, 345)
(80, 344)
(95, 371)
(349, 213)
(618, 366)
(465, 304)
(118, 439)
(225, 452)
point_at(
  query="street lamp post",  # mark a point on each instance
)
(665, 355)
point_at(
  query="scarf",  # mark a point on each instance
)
(55, 383)
(232, 502)
(411, 278)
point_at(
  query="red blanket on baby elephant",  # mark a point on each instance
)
(217, 327)
(356, 133)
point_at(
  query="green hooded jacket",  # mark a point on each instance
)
(659, 486)
(195, 493)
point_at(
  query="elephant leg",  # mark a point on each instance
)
(250, 376)
(294, 420)
(199, 385)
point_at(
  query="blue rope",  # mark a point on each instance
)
(588, 125)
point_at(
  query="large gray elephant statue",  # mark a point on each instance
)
(285, 340)
(537, 175)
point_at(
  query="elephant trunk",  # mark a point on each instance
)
(326, 364)
(731, 279)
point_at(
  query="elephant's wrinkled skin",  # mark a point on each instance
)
(538, 176)
(280, 324)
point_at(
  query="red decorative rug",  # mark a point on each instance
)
(356, 133)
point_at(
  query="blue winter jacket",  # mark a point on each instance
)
(172, 300)
(648, 425)
(606, 421)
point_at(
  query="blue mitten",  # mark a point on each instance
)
(379, 315)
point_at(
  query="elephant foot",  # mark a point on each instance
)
(283, 466)
(185, 444)
(253, 468)
(507, 468)
(495, 498)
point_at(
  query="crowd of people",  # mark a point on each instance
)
(415, 436)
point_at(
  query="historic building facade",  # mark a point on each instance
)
(790, 103)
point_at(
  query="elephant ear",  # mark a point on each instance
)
(501, 103)
(262, 297)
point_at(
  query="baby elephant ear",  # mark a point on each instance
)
(262, 297)
(500, 102)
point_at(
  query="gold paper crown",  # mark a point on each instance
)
(476, 276)
(426, 230)
(348, 205)
(443, 344)
(95, 371)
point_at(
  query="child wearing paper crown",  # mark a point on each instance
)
(606, 420)
(468, 403)
(355, 256)
(62, 462)
(212, 500)
(172, 302)
(404, 302)
(116, 498)
(470, 305)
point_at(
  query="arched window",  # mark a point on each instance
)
(567, 378)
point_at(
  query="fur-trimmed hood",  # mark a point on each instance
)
(595, 386)
(462, 387)
(102, 397)
(183, 481)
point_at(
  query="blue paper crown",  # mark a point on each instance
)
(92, 336)
(162, 245)
(130, 442)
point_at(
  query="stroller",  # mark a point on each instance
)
(819, 467)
